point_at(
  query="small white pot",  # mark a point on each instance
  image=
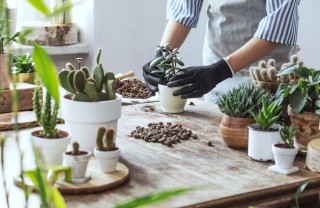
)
(260, 142)
(284, 157)
(83, 119)
(51, 149)
(168, 102)
(78, 163)
(108, 160)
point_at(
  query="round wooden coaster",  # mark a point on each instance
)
(99, 181)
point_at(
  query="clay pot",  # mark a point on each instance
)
(234, 131)
(308, 127)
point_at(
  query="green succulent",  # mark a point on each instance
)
(287, 134)
(166, 65)
(23, 64)
(239, 100)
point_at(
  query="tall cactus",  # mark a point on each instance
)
(98, 87)
(105, 139)
(110, 139)
(99, 139)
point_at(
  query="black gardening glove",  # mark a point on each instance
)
(199, 80)
(152, 80)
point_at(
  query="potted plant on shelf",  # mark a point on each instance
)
(285, 152)
(106, 151)
(23, 69)
(265, 131)
(303, 97)
(235, 105)
(90, 103)
(77, 160)
(166, 68)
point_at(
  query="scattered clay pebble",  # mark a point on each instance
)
(210, 144)
(167, 134)
(192, 104)
(148, 108)
(132, 88)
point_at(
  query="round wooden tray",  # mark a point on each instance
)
(99, 181)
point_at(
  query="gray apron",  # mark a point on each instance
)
(231, 24)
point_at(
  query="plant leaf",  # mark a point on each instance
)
(287, 70)
(40, 6)
(299, 192)
(298, 99)
(64, 7)
(47, 71)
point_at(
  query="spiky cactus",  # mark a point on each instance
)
(75, 148)
(105, 139)
(98, 87)
(46, 114)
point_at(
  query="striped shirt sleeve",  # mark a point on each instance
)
(186, 12)
(281, 23)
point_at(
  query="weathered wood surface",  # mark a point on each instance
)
(229, 177)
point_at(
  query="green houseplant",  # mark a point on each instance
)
(166, 67)
(106, 151)
(265, 131)
(23, 69)
(235, 105)
(302, 96)
(94, 96)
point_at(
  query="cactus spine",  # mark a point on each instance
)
(75, 148)
(105, 139)
(99, 87)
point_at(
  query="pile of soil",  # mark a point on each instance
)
(132, 88)
(167, 134)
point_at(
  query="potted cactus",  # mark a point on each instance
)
(265, 131)
(106, 151)
(91, 102)
(166, 68)
(77, 160)
(51, 141)
(285, 152)
(23, 69)
(235, 105)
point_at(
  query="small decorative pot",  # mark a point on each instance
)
(78, 163)
(168, 102)
(283, 156)
(51, 149)
(24, 77)
(261, 141)
(108, 160)
(234, 131)
(313, 156)
(308, 127)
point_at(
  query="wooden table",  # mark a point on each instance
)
(228, 177)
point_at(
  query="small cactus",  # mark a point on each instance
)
(105, 139)
(256, 72)
(99, 87)
(271, 63)
(75, 148)
(264, 75)
(272, 74)
(294, 59)
(262, 64)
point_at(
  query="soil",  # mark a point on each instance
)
(167, 134)
(282, 145)
(132, 88)
(61, 134)
(148, 108)
(80, 153)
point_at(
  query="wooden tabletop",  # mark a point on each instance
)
(226, 177)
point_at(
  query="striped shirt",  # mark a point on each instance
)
(280, 25)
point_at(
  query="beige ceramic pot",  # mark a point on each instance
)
(4, 78)
(308, 127)
(168, 102)
(234, 131)
(24, 77)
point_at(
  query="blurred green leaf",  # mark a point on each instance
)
(64, 7)
(47, 71)
(299, 192)
(40, 6)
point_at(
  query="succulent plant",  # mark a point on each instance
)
(75, 148)
(46, 114)
(98, 87)
(239, 100)
(287, 134)
(166, 65)
(105, 139)
(23, 64)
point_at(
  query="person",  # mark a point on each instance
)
(238, 34)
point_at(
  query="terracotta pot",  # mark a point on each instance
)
(271, 87)
(4, 78)
(308, 127)
(234, 131)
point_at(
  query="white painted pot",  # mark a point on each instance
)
(107, 160)
(168, 102)
(284, 157)
(78, 163)
(51, 149)
(260, 142)
(83, 119)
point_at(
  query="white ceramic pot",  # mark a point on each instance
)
(83, 119)
(284, 157)
(108, 160)
(4, 78)
(78, 163)
(168, 102)
(260, 142)
(51, 149)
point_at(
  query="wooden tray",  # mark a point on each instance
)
(99, 181)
